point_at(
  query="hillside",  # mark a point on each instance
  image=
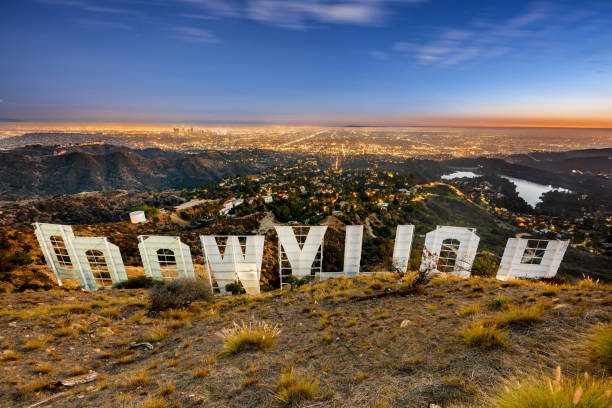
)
(363, 342)
(25, 175)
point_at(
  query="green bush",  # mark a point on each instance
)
(235, 288)
(485, 264)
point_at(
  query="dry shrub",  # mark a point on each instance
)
(293, 389)
(558, 392)
(252, 335)
(179, 293)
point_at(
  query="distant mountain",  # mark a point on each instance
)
(589, 160)
(40, 171)
(10, 120)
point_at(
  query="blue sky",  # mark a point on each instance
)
(300, 61)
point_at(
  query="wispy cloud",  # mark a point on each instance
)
(112, 25)
(216, 8)
(89, 6)
(483, 39)
(299, 14)
(195, 34)
(302, 14)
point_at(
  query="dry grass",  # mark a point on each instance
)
(154, 402)
(588, 283)
(137, 379)
(517, 317)
(34, 386)
(363, 362)
(557, 392)
(293, 389)
(201, 372)
(249, 336)
(36, 344)
(470, 310)
(248, 381)
(600, 345)
(9, 355)
(43, 368)
(166, 388)
(158, 333)
(485, 336)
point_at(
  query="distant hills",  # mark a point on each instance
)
(39, 171)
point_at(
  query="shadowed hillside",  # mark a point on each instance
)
(23, 175)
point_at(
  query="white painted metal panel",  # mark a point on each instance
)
(464, 253)
(300, 259)
(100, 261)
(236, 262)
(519, 259)
(352, 249)
(165, 258)
(402, 247)
(56, 242)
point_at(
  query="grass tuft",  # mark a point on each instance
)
(517, 317)
(166, 388)
(152, 402)
(470, 310)
(293, 389)
(600, 345)
(34, 344)
(9, 355)
(500, 302)
(485, 336)
(158, 333)
(201, 372)
(245, 336)
(138, 379)
(557, 392)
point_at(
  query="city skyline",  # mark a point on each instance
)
(352, 62)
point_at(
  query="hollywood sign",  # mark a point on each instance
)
(95, 262)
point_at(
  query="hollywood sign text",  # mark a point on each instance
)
(95, 262)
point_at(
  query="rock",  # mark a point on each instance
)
(77, 380)
(145, 345)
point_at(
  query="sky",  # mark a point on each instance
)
(374, 62)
